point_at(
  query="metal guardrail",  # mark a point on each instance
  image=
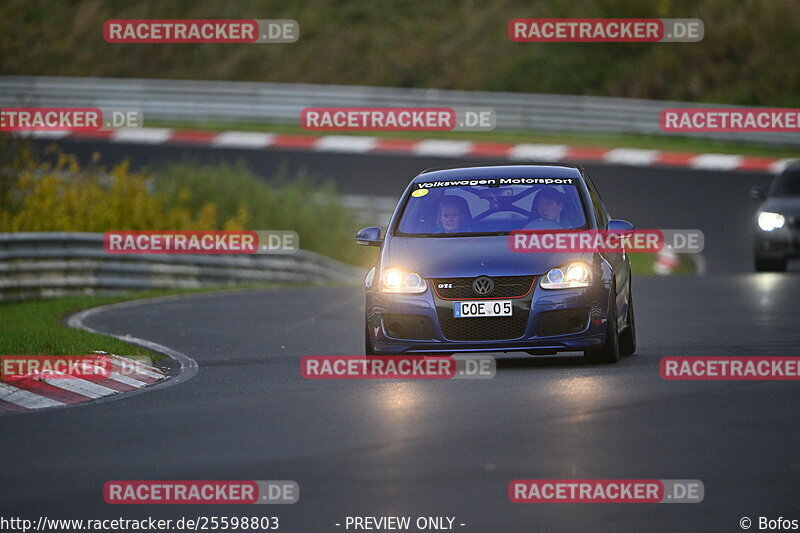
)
(227, 101)
(36, 265)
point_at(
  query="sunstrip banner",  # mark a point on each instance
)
(495, 182)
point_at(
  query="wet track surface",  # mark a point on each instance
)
(449, 448)
(433, 448)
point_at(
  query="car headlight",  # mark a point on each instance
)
(571, 276)
(394, 279)
(770, 221)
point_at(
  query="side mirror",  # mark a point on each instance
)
(370, 236)
(620, 226)
(758, 193)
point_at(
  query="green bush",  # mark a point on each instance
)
(54, 193)
(296, 203)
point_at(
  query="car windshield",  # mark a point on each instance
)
(491, 206)
(788, 184)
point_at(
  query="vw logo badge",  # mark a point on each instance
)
(483, 285)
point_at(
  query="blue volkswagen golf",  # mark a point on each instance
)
(446, 280)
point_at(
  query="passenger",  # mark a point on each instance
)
(548, 204)
(454, 215)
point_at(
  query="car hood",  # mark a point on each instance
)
(785, 205)
(469, 257)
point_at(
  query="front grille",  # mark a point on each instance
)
(562, 322)
(504, 287)
(484, 329)
(402, 326)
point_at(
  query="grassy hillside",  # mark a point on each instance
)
(749, 54)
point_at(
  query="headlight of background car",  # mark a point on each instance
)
(770, 221)
(571, 276)
(395, 279)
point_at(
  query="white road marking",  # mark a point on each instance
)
(127, 380)
(25, 398)
(81, 386)
(631, 156)
(538, 152)
(716, 162)
(134, 366)
(142, 135)
(442, 148)
(243, 139)
(345, 143)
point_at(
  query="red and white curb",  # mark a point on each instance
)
(126, 375)
(427, 147)
(144, 378)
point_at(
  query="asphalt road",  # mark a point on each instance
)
(447, 448)
(432, 448)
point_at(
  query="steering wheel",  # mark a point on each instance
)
(541, 223)
(510, 209)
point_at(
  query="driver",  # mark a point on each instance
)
(454, 214)
(548, 204)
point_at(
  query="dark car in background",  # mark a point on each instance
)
(777, 221)
(446, 281)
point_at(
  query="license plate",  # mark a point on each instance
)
(482, 308)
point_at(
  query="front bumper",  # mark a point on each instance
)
(429, 320)
(780, 243)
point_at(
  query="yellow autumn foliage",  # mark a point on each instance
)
(62, 196)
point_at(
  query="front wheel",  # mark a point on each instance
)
(609, 353)
(627, 341)
(367, 342)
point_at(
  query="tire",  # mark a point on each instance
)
(627, 340)
(367, 342)
(763, 264)
(609, 353)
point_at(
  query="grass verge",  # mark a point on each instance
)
(36, 327)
